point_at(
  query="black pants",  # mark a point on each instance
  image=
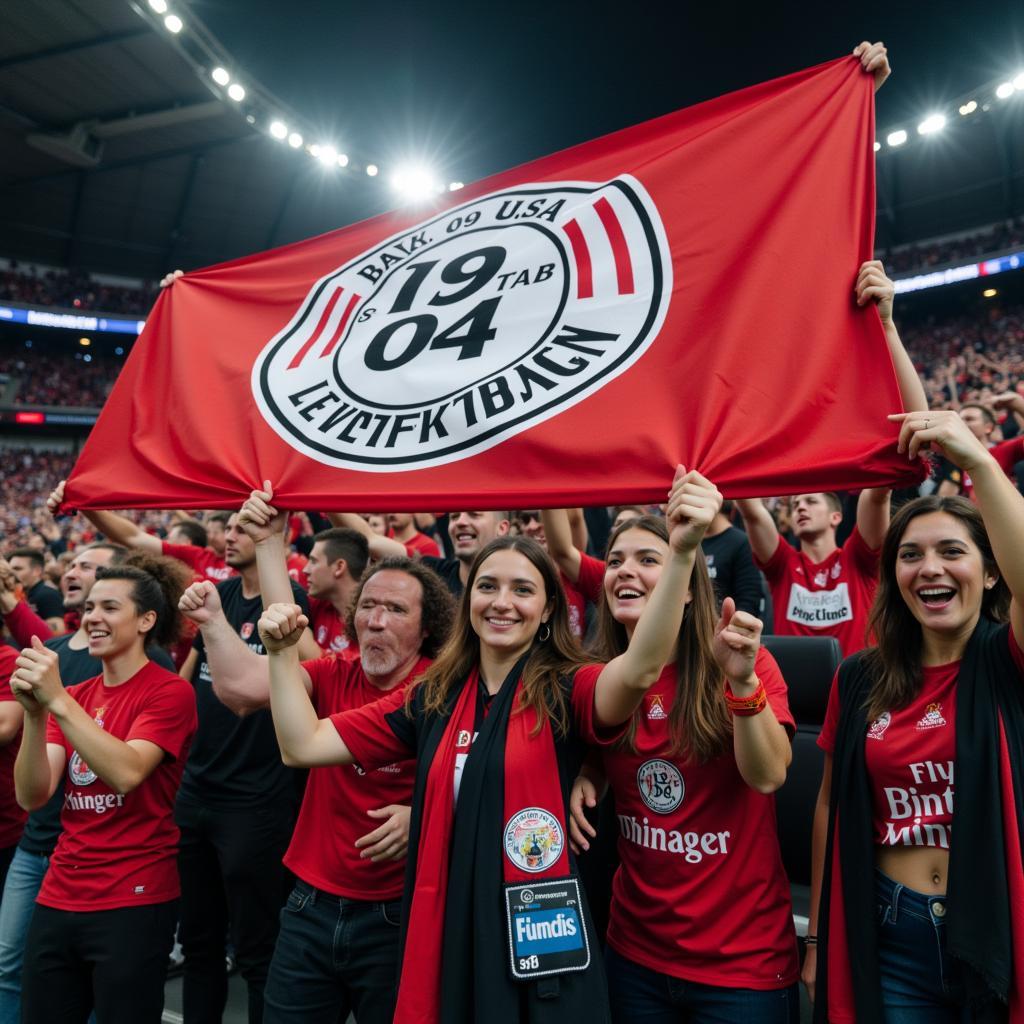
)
(6, 856)
(232, 882)
(113, 961)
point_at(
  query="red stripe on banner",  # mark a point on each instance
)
(623, 264)
(301, 354)
(341, 326)
(581, 253)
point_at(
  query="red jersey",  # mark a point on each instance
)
(119, 850)
(329, 630)
(418, 543)
(909, 755)
(591, 578)
(297, 569)
(333, 814)
(204, 563)
(828, 598)
(577, 607)
(1006, 453)
(12, 817)
(701, 893)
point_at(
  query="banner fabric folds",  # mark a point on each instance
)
(562, 333)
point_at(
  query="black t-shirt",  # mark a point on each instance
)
(46, 602)
(43, 826)
(235, 762)
(448, 570)
(732, 570)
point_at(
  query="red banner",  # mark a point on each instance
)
(560, 334)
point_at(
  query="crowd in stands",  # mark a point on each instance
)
(71, 289)
(65, 380)
(921, 258)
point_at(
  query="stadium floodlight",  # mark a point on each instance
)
(160, 6)
(85, 342)
(1018, 81)
(328, 156)
(414, 182)
(896, 138)
(931, 124)
(1005, 90)
(295, 140)
(278, 129)
(968, 108)
(173, 23)
(455, 186)
(236, 92)
(314, 150)
(220, 76)
(343, 160)
(877, 145)
(990, 293)
(372, 169)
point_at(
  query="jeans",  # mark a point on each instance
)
(231, 879)
(112, 960)
(642, 996)
(24, 877)
(334, 956)
(912, 956)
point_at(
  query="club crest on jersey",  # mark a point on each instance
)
(932, 718)
(661, 785)
(79, 772)
(877, 728)
(655, 707)
(469, 327)
(247, 630)
(533, 839)
(837, 570)
(97, 716)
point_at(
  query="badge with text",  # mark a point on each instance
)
(533, 839)
(469, 327)
(546, 929)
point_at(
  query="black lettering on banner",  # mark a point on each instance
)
(576, 364)
(402, 424)
(336, 417)
(382, 420)
(432, 422)
(360, 421)
(306, 412)
(469, 410)
(300, 396)
(371, 272)
(529, 377)
(490, 394)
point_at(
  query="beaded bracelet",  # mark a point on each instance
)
(746, 707)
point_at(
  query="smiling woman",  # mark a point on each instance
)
(122, 738)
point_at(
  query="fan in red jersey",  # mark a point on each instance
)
(402, 527)
(104, 922)
(335, 565)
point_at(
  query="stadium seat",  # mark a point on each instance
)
(808, 665)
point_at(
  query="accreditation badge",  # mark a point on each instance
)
(547, 933)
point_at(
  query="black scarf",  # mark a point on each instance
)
(979, 936)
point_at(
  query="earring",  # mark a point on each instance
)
(544, 633)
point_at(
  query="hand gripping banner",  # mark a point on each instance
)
(562, 333)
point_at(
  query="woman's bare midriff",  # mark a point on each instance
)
(923, 868)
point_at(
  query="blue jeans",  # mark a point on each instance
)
(24, 877)
(642, 996)
(912, 956)
(333, 957)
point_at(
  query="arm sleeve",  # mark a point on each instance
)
(168, 719)
(187, 553)
(1008, 454)
(591, 579)
(775, 688)
(861, 555)
(23, 624)
(584, 684)
(378, 734)
(777, 566)
(827, 738)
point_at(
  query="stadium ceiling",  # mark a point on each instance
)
(121, 155)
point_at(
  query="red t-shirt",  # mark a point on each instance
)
(577, 607)
(1007, 454)
(297, 569)
(12, 817)
(909, 755)
(333, 814)
(120, 850)
(418, 543)
(591, 578)
(829, 598)
(204, 563)
(329, 630)
(701, 893)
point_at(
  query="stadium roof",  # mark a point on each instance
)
(121, 154)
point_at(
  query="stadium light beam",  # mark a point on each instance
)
(1004, 91)
(877, 146)
(173, 24)
(343, 160)
(455, 186)
(968, 108)
(236, 92)
(1018, 81)
(295, 140)
(159, 6)
(414, 183)
(328, 156)
(220, 76)
(896, 138)
(931, 124)
(278, 129)
(372, 169)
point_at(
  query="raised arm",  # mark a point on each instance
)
(578, 526)
(761, 528)
(21, 622)
(558, 533)
(306, 741)
(873, 505)
(380, 547)
(692, 504)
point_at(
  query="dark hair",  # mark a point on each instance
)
(619, 509)
(220, 516)
(438, 605)
(120, 552)
(550, 661)
(36, 557)
(699, 721)
(351, 545)
(157, 586)
(983, 409)
(195, 532)
(896, 660)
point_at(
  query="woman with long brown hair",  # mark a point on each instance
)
(918, 884)
(495, 923)
(701, 925)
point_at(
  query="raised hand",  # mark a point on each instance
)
(200, 603)
(168, 279)
(259, 518)
(874, 59)
(56, 498)
(873, 285)
(36, 681)
(693, 502)
(944, 432)
(281, 626)
(737, 639)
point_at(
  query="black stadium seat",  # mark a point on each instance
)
(808, 665)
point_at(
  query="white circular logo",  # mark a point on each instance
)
(526, 895)
(533, 839)
(661, 785)
(79, 772)
(470, 327)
